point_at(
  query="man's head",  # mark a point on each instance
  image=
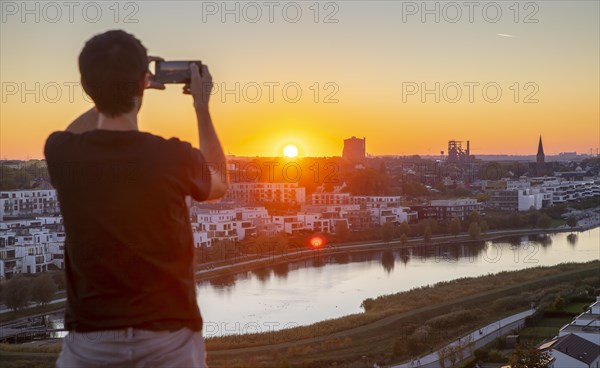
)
(113, 67)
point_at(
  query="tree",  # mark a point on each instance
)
(387, 232)
(572, 221)
(17, 293)
(403, 239)
(474, 217)
(427, 234)
(525, 356)
(558, 303)
(483, 225)
(514, 220)
(43, 289)
(544, 221)
(405, 228)
(455, 226)
(341, 231)
(533, 218)
(474, 230)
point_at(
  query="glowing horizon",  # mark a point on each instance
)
(356, 77)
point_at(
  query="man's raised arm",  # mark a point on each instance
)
(210, 146)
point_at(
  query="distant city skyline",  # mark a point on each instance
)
(340, 69)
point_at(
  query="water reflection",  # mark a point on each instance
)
(388, 261)
(545, 240)
(263, 274)
(404, 256)
(341, 258)
(281, 270)
(224, 281)
(333, 282)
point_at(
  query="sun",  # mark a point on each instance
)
(290, 151)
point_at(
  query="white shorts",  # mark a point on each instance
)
(133, 348)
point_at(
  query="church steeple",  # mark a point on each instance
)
(540, 153)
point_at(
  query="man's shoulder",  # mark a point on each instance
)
(55, 141)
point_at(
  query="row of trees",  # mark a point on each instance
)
(474, 225)
(20, 290)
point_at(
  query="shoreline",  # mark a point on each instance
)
(230, 270)
(355, 247)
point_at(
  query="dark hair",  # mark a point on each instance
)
(112, 65)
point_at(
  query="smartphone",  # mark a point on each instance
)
(175, 71)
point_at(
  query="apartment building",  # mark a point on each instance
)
(536, 193)
(444, 210)
(31, 246)
(220, 224)
(264, 192)
(28, 203)
(330, 198)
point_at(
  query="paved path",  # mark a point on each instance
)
(472, 341)
(33, 305)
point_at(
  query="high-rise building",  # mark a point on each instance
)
(354, 149)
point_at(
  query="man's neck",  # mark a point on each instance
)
(122, 122)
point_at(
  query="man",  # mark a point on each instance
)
(129, 257)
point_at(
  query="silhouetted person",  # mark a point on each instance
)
(129, 254)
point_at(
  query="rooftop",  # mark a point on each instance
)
(578, 348)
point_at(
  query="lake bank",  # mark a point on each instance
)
(375, 334)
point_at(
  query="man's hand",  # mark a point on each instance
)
(151, 83)
(200, 87)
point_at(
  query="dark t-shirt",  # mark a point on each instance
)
(129, 253)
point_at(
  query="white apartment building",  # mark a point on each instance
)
(21, 203)
(405, 214)
(224, 224)
(31, 246)
(289, 224)
(524, 194)
(564, 191)
(251, 213)
(316, 223)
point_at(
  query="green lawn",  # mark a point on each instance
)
(576, 307)
(545, 329)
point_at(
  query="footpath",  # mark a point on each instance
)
(469, 343)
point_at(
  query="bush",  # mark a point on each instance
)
(481, 354)
(452, 319)
(508, 302)
(544, 221)
(43, 289)
(367, 304)
(17, 292)
(494, 356)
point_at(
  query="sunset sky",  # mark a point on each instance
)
(365, 60)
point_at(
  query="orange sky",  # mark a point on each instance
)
(360, 67)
